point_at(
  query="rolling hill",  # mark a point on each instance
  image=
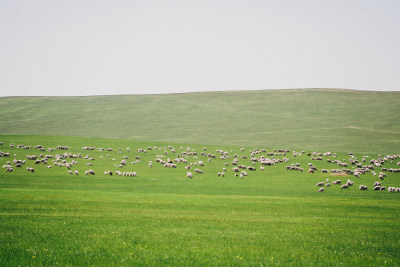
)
(313, 119)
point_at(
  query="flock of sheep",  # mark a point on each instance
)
(360, 168)
(194, 162)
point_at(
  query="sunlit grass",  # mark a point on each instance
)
(160, 217)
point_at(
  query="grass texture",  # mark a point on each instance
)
(313, 119)
(162, 218)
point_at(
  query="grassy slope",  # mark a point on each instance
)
(162, 218)
(338, 120)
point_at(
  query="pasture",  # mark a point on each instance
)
(273, 216)
(311, 119)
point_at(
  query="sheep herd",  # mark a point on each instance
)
(235, 164)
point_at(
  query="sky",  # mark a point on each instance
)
(97, 47)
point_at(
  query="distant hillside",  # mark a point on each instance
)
(316, 119)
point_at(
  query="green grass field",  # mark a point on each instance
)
(161, 217)
(312, 119)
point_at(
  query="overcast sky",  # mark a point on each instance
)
(139, 47)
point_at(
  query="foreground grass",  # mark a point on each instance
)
(312, 119)
(275, 217)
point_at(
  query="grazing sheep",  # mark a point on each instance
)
(377, 188)
(363, 187)
(320, 184)
(327, 185)
(189, 175)
(321, 189)
(391, 189)
(377, 183)
(87, 172)
(344, 186)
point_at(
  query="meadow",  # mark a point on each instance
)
(162, 218)
(339, 120)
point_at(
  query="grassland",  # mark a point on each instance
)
(160, 217)
(313, 119)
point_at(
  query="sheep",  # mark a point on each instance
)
(363, 187)
(321, 189)
(30, 169)
(189, 175)
(391, 189)
(87, 172)
(344, 186)
(327, 185)
(76, 173)
(377, 188)
(320, 184)
(377, 183)
(70, 172)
